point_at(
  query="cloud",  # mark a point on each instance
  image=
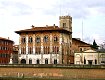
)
(98, 38)
(75, 8)
(14, 8)
(78, 8)
(20, 14)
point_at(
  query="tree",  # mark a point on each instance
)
(102, 47)
(95, 46)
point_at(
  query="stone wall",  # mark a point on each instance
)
(52, 73)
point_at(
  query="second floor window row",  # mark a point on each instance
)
(38, 39)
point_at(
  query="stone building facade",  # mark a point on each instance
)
(15, 54)
(46, 45)
(91, 57)
(86, 57)
(80, 46)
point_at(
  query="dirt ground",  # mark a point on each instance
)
(53, 73)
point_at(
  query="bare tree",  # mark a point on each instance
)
(102, 47)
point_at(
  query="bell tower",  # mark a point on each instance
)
(65, 22)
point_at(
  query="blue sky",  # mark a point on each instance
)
(21, 14)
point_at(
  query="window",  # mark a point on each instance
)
(45, 39)
(46, 50)
(38, 39)
(84, 49)
(84, 60)
(102, 58)
(23, 40)
(37, 61)
(80, 49)
(30, 61)
(23, 50)
(38, 50)
(55, 39)
(30, 50)
(55, 49)
(64, 24)
(30, 40)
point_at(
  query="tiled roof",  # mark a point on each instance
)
(1, 38)
(77, 39)
(42, 29)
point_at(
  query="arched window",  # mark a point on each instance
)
(30, 61)
(46, 61)
(45, 39)
(23, 39)
(37, 61)
(55, 39)
(37, 39)
(30, 40)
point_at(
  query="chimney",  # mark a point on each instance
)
(32, 26)
(54, 25)
(46, 25)
(8, 37)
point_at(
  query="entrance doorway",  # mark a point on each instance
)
(23, 61)
(55, 61)
(46, 61)
(90, 62)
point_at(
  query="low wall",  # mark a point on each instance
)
(52, 72)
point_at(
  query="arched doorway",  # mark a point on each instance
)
(23, 61)
(30, 61)
(46, 61)
(55, 61)
(37, 61)
(95, 61)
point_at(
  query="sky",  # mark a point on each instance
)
(88, 17)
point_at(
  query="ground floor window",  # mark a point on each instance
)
(30, 61)
(37, 61)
